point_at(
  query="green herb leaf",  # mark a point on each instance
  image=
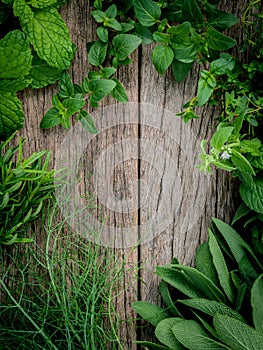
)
(14, 85)
(72, 106)
(66, 86)
(125, 44)
(237, 334)
(204, 263)
(150, 312)
(194, 337)
(252, 194)
(223, 64)
(100, 88)
(220, 137)
(206, 85)
(97, 53)
(86, 120)
(147, 12)
(11, 114)
(144, 33)
(162, 58)
(241, 162)
(218, 41)
(256, 302)
(181, 69)
(15, 55)
(181, 32)
(220, 20)
(151, 345)
(50, 119)
(48, 33)
(165, 335)
(191, 12)
(103, 34)
(111, 11)
(119, 92)
(166, 296)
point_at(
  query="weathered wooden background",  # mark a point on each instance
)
(143, 85)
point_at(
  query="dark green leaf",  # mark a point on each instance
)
(257, 305)
(11, 114)
(252, 195)
(204, 263)
(204, 91)
(167, 299)
(15, 55)
(102, 34)
(242, 211)
(97, 53)
(147, 12)
(66, 86)
(223, 64)
(119, 93)
(161, 37)
(125, 44)
(241, 162)
(86, 120)
(162, 58)
(144, 33)
(185, 52)
(220, 20)
(50, 119)
(237, 334)
(72, 106)
(192, 12)
(220, 137)
(152, 346)
(100, 88)
(181, 32)
(164, 334)
(150, 312)
(107, 72)
(181, 69)
(218, 41)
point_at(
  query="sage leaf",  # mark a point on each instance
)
(194, 337)
(153, 346)
(165, 335)
(237, 334)
(162, 58)
(147, 12)
(256, 302)
(150, 312)
(204, 263)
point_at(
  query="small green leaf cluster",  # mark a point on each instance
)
(25, 186)
(217, 304)
(33, 54)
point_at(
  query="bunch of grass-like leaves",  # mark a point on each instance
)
(25, 184)
(217, 304)
(60, 297)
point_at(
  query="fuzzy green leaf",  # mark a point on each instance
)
(125, 44)
(256, 302)
(167, 299)
(150, 312)
(48, 34)
(164, 334)
(194, 337)
(204, 262)
(15, 55)
(11, 114)
(237, 334)
(162, 58)
(147, 12)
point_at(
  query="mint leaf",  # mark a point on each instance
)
(15, 55)
(147, 12)
(42, 3)
(87, 122)
(181, 32)
(241, 162)
(11, 114)
(14, 85)
(114, 24)
(97, 53)
(42, 74)
(125, 44)
(72, 106)
(119, 92)
(205, 89)
(218, 41)
(50, 119)
(48, 34)
(66, 86)
(220, 137)
(100, 88)
(162, 58)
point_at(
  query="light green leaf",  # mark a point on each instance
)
(241, 162)
(15, 55)
(11, 114)
(119, 93)
(220, 137)
(125, 44)
(100, 88)
(237, 334)
(72, 106)
(86, 120)
(97, 53)
(147, 12)
(98, 15)
(150, 312)
(257, 305)
(164, 334)
(161, 37)
(42, 3)
(50, 119)
(102, 34)
(194, 337)
(211, 307)
(48, 34)
(162, 58)
(42, 74)
(218, 41)
(204, 91)
(220, 266)
(111, 11)
(66, 86)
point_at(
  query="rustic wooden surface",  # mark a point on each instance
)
(213, 197)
